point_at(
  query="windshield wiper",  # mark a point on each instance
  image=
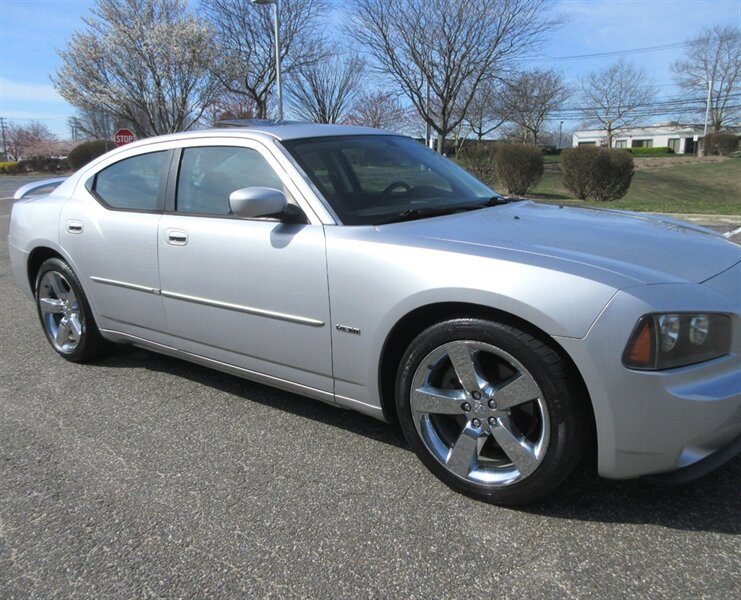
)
(432, 211)
(436, 211)
(499, 200)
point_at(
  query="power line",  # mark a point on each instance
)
(610, 53)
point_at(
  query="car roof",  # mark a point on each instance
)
(289, 130)
(278, 131)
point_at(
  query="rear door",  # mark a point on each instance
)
(109, 228)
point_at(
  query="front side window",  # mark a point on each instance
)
(368, 179)
(132, 183)
(208, 175)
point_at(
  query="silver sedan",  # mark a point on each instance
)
(354, 266)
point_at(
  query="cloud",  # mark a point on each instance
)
(19, 91)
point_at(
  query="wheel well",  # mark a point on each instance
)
(421, 318)
(35, 260)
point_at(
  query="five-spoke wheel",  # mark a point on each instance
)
(490, 410)
(60, 311)
(64, 312)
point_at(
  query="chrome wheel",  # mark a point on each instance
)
(480, 413)
(60, 312)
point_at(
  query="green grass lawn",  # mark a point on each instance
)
(709, 188)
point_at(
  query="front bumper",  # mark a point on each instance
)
(654, 422)
(699, 468)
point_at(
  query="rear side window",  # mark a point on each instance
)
(132, 183)
(208, 175)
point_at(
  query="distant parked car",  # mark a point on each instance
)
(356, 267)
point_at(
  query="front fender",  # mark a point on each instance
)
(373, 286)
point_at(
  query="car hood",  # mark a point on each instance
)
(646, 248)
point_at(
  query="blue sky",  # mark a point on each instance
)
(32, 30)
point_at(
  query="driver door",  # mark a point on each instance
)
(251, 293)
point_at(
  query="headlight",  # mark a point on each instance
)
(666, 341)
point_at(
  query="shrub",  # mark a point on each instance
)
(81, 155)
(613, 174)
(8, 167)
(518, 167)
(478, 158)
(577, 167)
(720, 143)
(596, 173)
(46, 164)
(651, 151)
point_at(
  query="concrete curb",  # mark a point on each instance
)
(730, 221)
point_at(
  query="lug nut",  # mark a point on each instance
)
(466, 406)
(492, 421)
(476, 423)
(476, 395)
(492, 403)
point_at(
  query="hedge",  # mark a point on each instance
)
(8, 167)
(650, 151)
(81, 155)
(721, 143)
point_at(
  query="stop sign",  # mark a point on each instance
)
(123, 136)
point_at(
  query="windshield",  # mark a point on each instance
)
(371, 179)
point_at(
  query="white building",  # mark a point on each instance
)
(682, 139)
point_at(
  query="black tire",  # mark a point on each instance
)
(65, 314)
(521, 393)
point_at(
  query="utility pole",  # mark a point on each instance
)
(5, 143)
(707, 114)
(560, 129)
(72, 124)
(105, 131)
(428, 131)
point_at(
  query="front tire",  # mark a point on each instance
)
(491, 410)
(65, 313)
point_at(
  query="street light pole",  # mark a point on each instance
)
(276, 23)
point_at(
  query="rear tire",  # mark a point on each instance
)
(491, 410)
(65, 313)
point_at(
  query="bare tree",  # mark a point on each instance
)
(144, 62)
(380, 109)
(714, 56)
(530, 99)
(243, 34)
(486, 111)
(613, 97)
(450, 45)
(228, 106)
(96, 124)
(323, 92)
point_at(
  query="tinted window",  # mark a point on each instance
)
(368, 178)
(208, 175)
(132, 183)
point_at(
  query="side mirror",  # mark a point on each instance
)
(255, 202)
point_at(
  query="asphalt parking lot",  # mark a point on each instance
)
(141, 476)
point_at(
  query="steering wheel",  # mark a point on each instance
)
(397, 184)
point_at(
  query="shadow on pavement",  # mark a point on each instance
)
(712, 503)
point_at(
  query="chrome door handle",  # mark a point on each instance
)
(177, 237)
(74, 226)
